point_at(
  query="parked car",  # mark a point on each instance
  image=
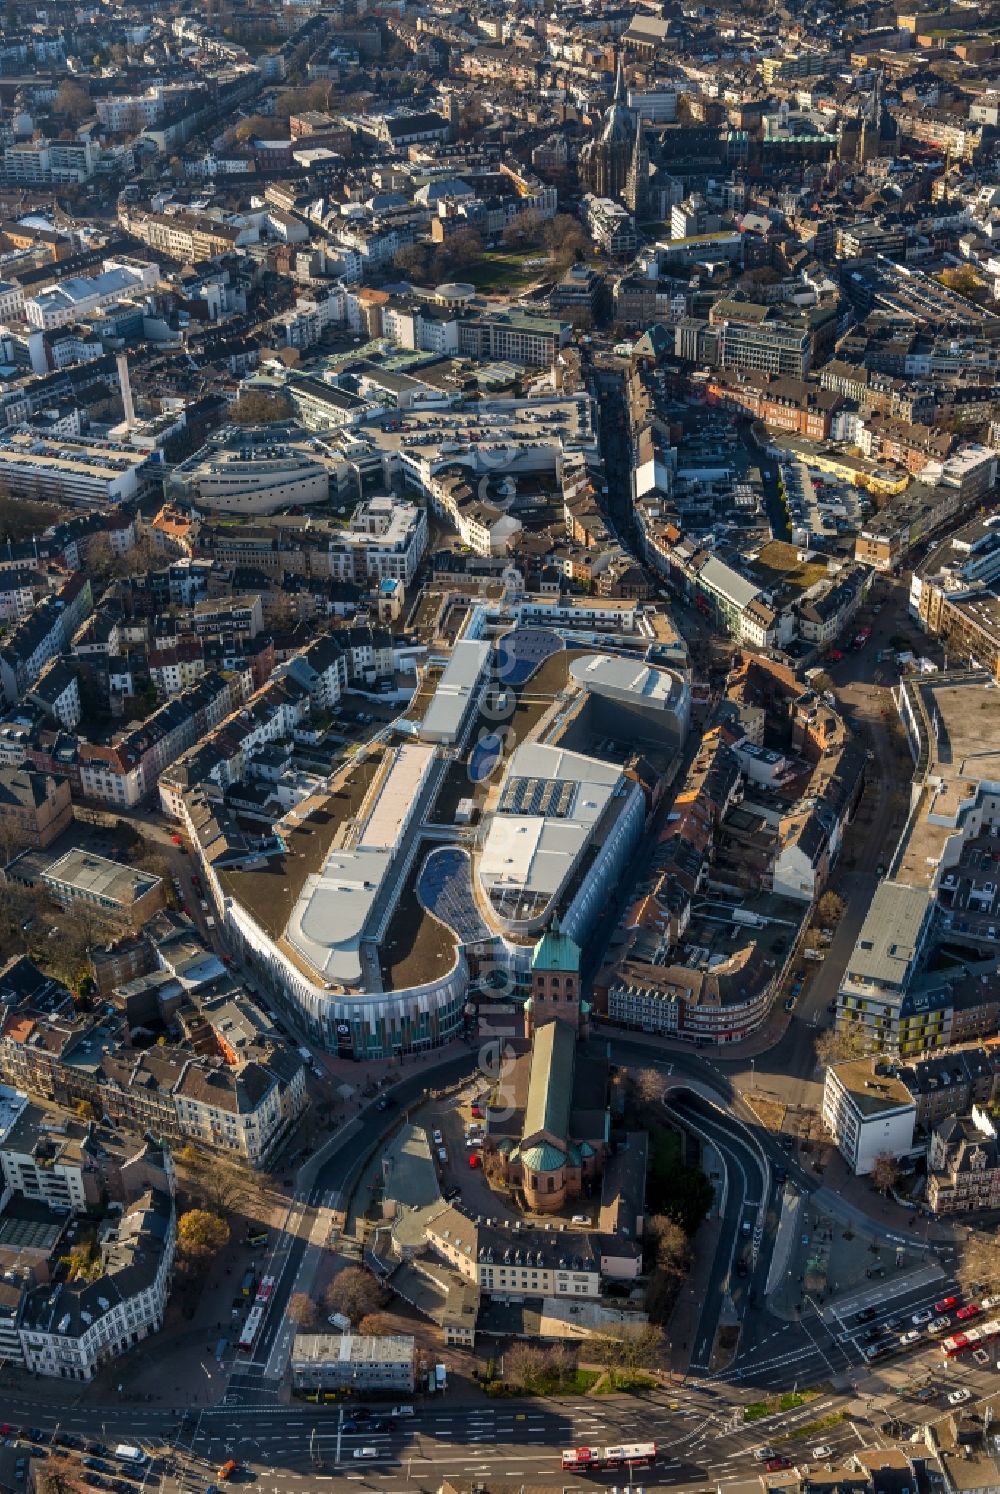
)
(823, 1450)
(437, 1138)
(923, 1316)
(971, 1310)
(366, 1452)
(764, 1454)
(946, 1304)
(867, 1314)
(775, 1465)
(958, 1396)
(911, 1336)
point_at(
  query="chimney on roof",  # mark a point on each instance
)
(126, 389)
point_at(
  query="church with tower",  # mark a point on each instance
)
(552, 1128)
(616, 163)
(870, 135)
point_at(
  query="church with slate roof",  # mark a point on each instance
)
(552, 1134)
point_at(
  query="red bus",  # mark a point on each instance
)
(251, 1328)
(973, 1338)
(629, 1454)
(264, 1291)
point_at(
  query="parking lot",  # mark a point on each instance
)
(81, 1462)
(821, 508)
(463, 1182)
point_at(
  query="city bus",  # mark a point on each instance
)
(958, 1344)
(251, 1328)
(628, 1455)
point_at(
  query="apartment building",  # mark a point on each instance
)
(45, 632)
(79, 471)
(69, 1329)
(386, 539)
(518, 1263)
(73, 298)
(963, 1165)
(43, 1156)
(610, 225)
(875, 987)
(38, 163)
(188, 236)
(360, 1362)
(113, 892)
(513, 336)
(869, 1112)
(35, 808)
(243, 1113)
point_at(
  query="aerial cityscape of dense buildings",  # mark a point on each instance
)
(499, 746)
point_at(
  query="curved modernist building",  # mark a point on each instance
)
(365, 906)
(254, 470)
(655, 703)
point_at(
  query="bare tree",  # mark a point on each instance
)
(885, 1172)
(106, 563)
(524, 1366)
(254, 407)
(220, 1183)
(302, 1310)
(671, 1243)
(830, 908)
(376, 1323)
(838, 1044)
(354, 1292)
(632, 1346)
(647, 1085)
(73, 101)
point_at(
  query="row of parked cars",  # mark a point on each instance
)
(100, 1467)
(893, 1333)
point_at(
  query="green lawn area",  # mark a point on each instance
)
(813, 1428)
(623, 1382)
(502, 271)
(757, 1410)
(778, 564)
(577, 1382)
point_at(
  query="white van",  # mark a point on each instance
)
(130, 1454)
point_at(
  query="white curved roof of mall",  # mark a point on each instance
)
(328, 921)
(610, 674)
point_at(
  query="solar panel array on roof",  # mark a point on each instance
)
(552, 797)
